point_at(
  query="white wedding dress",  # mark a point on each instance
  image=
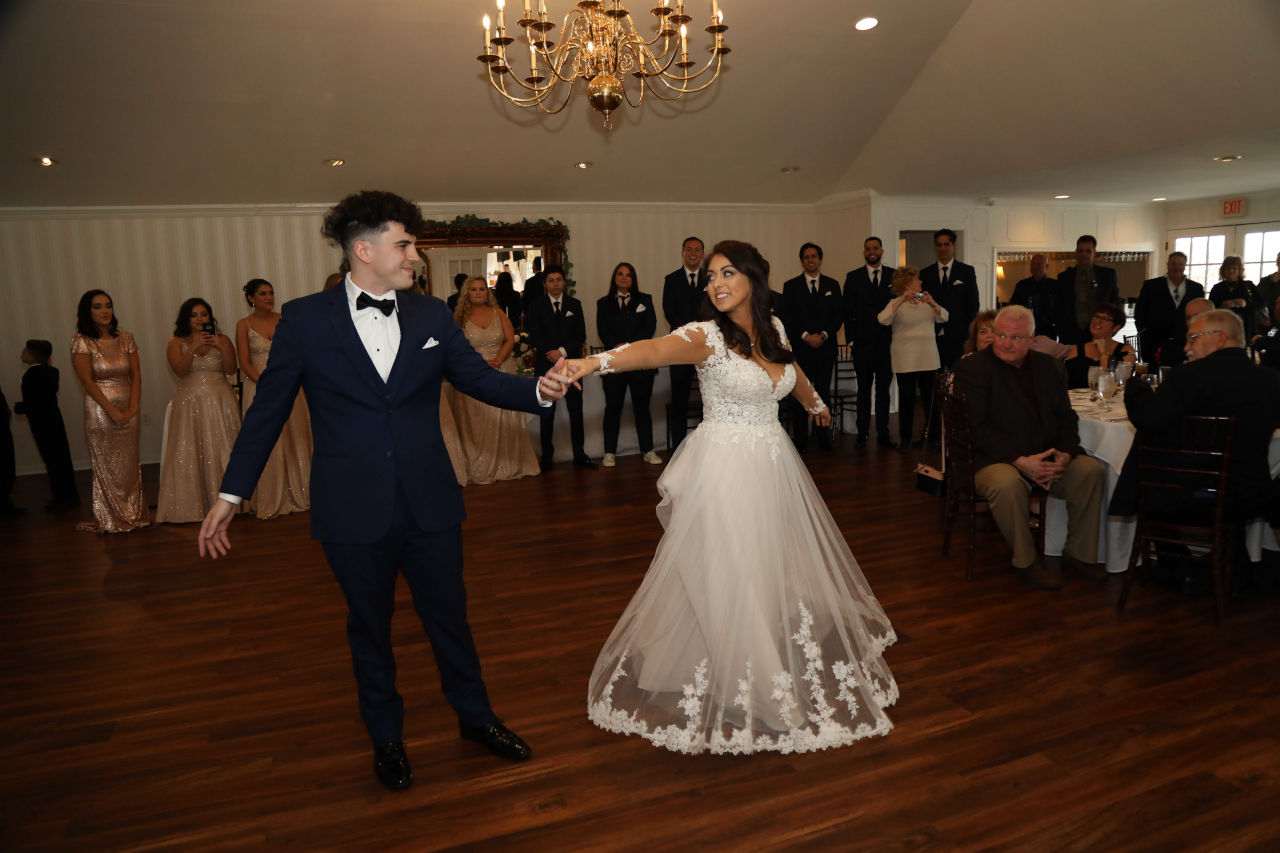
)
(754, 628)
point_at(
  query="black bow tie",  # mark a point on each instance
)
(386, 306)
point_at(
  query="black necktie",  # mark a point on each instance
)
(693, 280)
(813, 287)
(946, 273)
(386, 306)
(875, 278)
(623, 303)
(558, 314)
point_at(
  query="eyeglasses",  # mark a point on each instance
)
(1017, 339)
(1191, 338)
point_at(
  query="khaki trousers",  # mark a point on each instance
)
(1008, 493)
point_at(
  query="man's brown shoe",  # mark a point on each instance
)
(1041, 576)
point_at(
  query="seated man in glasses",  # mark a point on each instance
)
(1219, 379)
(1025, 434)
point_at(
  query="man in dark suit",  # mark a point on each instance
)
(624, 315)
(384, 500)
(954, 286)
(1161, 324)
(811, 313)
(867, 290)
(1219, 379)
(1036, 292)
(532, 285)
(557, 330)
(683, 293)
(1025, 433)
(1080, 290)
(40, 404)
(1174, 352)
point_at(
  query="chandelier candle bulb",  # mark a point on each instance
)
(484, 37)
(526, 8)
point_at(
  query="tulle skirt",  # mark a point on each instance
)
(754, 629)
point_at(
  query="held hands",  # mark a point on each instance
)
(574, 370)
(1044, 469)
(553, 384)
(213, 532)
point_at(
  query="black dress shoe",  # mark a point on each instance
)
(585, 462)
(392, 765)
(885, 441)
(545, 464)
(499, 739)
(861, 441)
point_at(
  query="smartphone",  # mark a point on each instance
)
(208, 328)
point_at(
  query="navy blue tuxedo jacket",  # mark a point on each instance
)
(373, 440)
(960, 298)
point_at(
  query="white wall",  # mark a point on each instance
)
(1206, 212)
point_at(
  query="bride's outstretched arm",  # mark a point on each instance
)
(686, 345)
(808, 397)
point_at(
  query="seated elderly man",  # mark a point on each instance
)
(1219, 378)
(1025, 433)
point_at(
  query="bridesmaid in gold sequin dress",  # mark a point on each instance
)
(496, 441)
(106, 363)
(204, 418)
(285, 482)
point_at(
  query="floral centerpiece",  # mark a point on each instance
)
(523, 354)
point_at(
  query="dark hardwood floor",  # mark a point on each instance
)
(155, 701)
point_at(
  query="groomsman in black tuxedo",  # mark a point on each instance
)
(1081, 289)
(867, 290)
(683, 293)
(557, 330)
(532, 285)
(811, 313)
(954, 286)
(44, 416)
(1162, 325)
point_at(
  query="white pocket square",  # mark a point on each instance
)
(639, 308)
(831, 293)
(568, 313)
(431, 342)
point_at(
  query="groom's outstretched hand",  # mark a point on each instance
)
(552, 384)
(213, 532)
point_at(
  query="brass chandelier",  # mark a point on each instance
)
(602, 46)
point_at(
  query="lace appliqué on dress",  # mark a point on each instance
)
(606, 358)
(817, 730)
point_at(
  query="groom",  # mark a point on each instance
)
(384, 500)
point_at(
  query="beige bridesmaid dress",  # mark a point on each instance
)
(118, 506)
(285, 484)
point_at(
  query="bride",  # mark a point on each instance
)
(754, 628)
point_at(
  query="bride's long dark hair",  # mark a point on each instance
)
(749, 262)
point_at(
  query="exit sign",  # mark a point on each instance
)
(1234, 207)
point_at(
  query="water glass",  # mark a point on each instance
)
(1106, 388)
(1094, 373)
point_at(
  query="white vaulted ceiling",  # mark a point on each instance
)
(146, 102)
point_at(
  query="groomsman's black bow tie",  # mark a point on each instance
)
(386, 306)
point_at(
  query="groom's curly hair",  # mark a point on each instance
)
(368, 212)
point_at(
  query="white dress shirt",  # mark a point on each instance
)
(379, 333)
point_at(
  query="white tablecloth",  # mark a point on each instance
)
(1107, 436)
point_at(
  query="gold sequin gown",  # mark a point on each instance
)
(496, 441)
(203, 424)
(118, 506)
(284, 486)
(449, 429)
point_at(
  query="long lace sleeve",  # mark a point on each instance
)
(803, 390)
(685, 345)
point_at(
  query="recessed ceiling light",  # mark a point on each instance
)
(583, 164)
(866, 24)
(1229, 158)
(45, 161)
(334, 161)
(1159, 198)
(1062, 196)
(790, 170)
